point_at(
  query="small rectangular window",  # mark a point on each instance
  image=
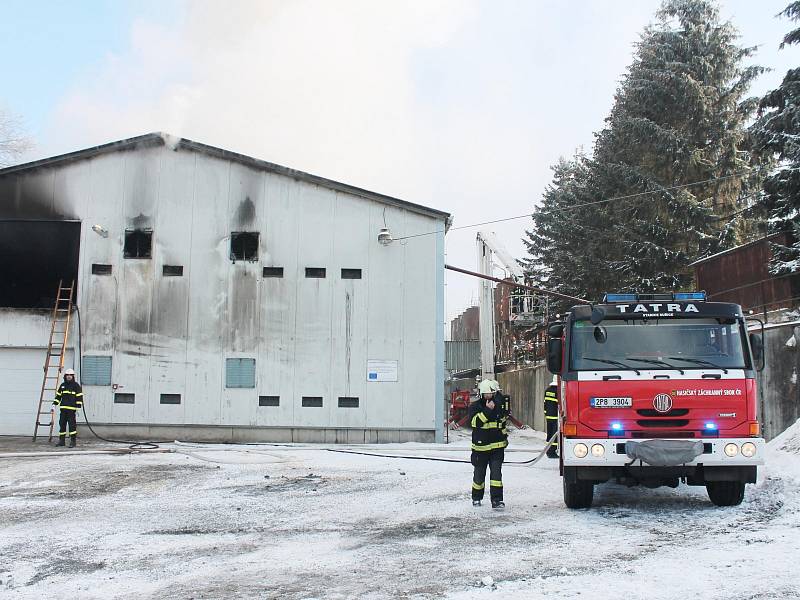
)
(138, 243)
(315, 272)
(269, 400)
(244, 245)
(240, 373)
(101, 269)
(124, 398)
(273, 272)
(96, 370)
(172, 271)
(351, 273)
(312, 401)
(348, 402)
(170, 398)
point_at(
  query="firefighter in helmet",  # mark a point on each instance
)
(488, 416)
(551, 416)
(69, 398)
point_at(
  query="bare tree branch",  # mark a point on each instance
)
(13, 141)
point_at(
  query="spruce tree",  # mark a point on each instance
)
(678, 118)
(777, 134)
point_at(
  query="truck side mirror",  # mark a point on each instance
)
(598, 314)
(757, 348)
(556, 330)
(555, 347)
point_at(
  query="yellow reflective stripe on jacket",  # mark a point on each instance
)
(495, 483)
(69, 407)
(474, 421)
(552, 418)
(491, 425)
(71, 393)
(487, 447)
(482, 417)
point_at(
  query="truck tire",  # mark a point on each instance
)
(578, 494)
(725, 493)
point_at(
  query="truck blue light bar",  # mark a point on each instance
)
(696, 296)
(620, 298)
(690, 296)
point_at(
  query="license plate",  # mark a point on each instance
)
(611, 402)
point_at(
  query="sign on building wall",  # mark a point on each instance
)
(382, 370)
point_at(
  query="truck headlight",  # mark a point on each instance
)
(748, 449)
(580, 450)
(598, 450)
(731, 450)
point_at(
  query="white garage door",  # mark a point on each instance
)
(20, 384)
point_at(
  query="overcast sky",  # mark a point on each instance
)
(458, 105)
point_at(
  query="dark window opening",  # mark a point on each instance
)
(124, 398)
(173, 271)
(312, 401)
(170, 398)
(98, 269)
(244, 245)
(273, 272)
(138, 243)
(348, 402)
(315, 272)
(269, 400)
(351, 273)
(34, 257)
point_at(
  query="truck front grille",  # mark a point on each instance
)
(662, 422)
(662, 434)
(675, 412)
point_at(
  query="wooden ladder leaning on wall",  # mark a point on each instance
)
(56, 352)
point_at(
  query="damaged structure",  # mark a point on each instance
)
(221, 297)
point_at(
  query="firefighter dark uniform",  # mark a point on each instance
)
(489, 440)
(551, 417)
(69, 398)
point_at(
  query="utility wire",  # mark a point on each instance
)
(584, 205)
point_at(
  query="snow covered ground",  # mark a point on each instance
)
(304, 522)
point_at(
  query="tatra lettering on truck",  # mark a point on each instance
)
(657, 389)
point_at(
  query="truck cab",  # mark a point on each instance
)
(657, 389)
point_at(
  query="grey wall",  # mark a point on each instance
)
(526, 387)
(777, 384)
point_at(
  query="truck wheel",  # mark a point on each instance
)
(578, 494)
(725, 493)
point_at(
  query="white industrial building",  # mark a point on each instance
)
(221, 297)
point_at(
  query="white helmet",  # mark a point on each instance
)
(69, 372)
(555, 380)
(488, 386)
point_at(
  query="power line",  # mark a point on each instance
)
(569, 208)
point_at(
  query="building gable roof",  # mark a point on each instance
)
(176, 143)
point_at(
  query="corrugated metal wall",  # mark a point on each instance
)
(742, 276)
(309, 337)
(462, 355)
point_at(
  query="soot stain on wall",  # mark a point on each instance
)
(246, 211)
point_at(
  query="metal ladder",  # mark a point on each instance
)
(56, 351)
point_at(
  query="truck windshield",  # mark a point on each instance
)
(676, 344)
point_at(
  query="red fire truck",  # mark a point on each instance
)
(657, 389)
